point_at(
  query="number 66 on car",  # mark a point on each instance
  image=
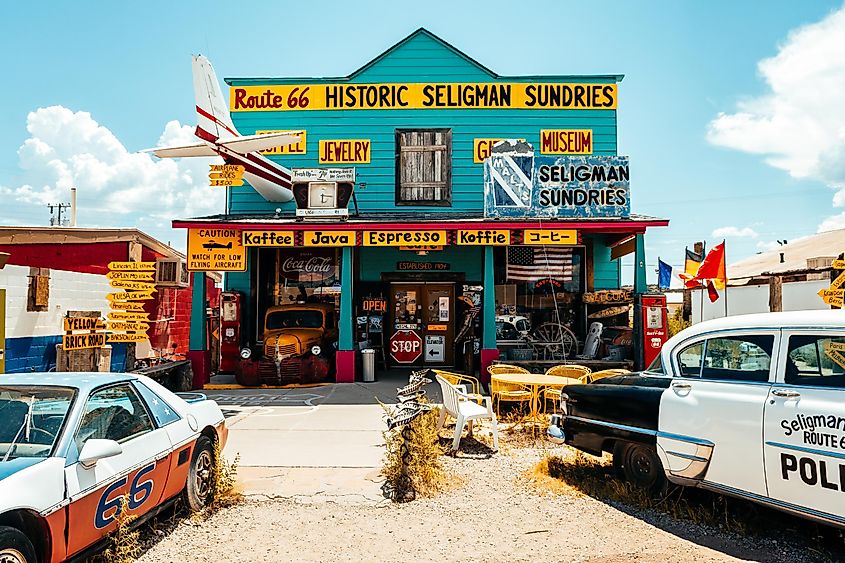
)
(78, 449)
(751, 406)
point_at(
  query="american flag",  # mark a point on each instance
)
(534, 263)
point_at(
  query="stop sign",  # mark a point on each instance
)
(405, 346)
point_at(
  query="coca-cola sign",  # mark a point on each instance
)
(308, 266)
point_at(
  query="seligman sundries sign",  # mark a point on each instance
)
(524, 185)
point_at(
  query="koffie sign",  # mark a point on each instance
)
(437, 95)
(556, 186)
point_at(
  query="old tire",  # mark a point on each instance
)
(200, 485)
(643, 469)
(15, 547)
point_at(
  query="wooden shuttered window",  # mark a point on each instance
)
(424, 167)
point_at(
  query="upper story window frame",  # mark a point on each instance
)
(442, 153)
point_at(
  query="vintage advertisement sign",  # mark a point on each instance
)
(549, 237)
(423, 95)
(296, 148)
(565, 186)
(566, 141)
(82, 341)
(404, 238)
(328, 238)
(483, 237)
(324, 174)
(312, 267)
(267, 238)
(216, 250)
(344, 151)
(481, 148)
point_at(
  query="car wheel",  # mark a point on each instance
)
(200, 485)
(15, 547)
(643, 469)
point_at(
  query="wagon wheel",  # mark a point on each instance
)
(556, 341)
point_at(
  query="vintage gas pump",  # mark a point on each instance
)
(651, 326)
(230, 331)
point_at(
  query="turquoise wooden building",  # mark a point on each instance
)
(391, 226)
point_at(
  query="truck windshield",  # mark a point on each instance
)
(294, 319)
(31, 419)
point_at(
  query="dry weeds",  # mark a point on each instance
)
(124, 544)
(424, 467)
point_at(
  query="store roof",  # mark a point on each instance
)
(423, 220)
(77, 235)
(790, 257)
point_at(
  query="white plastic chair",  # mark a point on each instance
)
(460, 405)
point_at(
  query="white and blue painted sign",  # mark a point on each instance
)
(524, 185)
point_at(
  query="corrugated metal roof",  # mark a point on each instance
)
(795, 255)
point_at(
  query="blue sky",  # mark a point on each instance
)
(685, 63)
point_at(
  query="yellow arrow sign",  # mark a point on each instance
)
(130, 284)
(129, 296)
(128, 306)
(838, 265)
(135, 276)
(128, 316)
(83, 323)
(238, 182)
(823, 293)
(118, 337)
(129, 327)
(226, 168)
(226, 175)
(131, 266)
(838, 346)
(838, 282)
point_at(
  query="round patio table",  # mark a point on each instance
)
(535, 382)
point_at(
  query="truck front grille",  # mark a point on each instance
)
(284, 350)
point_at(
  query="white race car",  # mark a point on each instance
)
(74, 445)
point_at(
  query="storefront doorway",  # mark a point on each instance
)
(422, 323)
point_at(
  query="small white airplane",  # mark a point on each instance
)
(220, 137)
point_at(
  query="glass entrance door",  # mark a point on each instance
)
(422, 324)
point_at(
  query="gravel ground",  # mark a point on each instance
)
(493, 514)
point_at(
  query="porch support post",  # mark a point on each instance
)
(345, 358)
(198, 351)
(489, 352)
(640, 280)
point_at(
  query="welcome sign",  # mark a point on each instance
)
(525, 185)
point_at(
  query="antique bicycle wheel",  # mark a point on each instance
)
(557, 341)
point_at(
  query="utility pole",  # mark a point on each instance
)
(57, 209)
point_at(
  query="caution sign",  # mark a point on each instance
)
(83, 341)
(216, 250)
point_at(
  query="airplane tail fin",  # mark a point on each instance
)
(213, 120)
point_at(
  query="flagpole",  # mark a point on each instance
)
(725, 261)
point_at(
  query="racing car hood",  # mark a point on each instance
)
(9, 468)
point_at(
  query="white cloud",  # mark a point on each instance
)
(767, 245)
(799, 126)
(744, 232)
(115, 187)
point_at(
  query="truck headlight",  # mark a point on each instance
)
(246, 353)
(316, 350)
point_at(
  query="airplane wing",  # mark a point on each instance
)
(201, 149)
(253, 143)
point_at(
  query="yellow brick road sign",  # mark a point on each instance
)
(118, 337)
(132, 266)
(82, 341)
(83, 323)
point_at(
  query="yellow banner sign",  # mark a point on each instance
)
(134, 276)
(484, 237)
(296, 148)
(131, 266)
(130, 284)
(404, 238)
(226, 168)
(226, 183)
(216, 250)
(550, 236)
(838, 264)
(119, 337)
(268, 238)
(225, 176)
(838, 346)
(328, 238)
(129, 326)
(128, 306)
(129, 296)
(566, 141)
(131, 316)
(83, 341)
(832, 296)
(838, 282)
(437, 95)
(83, 323)
(344, 151)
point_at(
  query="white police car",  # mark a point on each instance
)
(73, 445)
(751, 406)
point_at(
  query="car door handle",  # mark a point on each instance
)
(785, 393)
(682, 386)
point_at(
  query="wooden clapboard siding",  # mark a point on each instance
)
(605, 270)
(421, 57)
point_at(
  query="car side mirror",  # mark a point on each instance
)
(96, 449)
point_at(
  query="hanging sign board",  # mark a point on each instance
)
(483, 237)
(328, 238)
(530, 186)
(323, 174)
(296, 148)
(566, 141)
(404, 238)
(132, 266)
(216, 250)
(549, 237)
(268, 238)
(82, 341)
(344, 151)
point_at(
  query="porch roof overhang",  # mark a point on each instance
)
(415, 221)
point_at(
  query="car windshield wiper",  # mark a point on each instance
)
(25, 428)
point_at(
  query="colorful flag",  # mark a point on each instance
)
(692, 260)
(712, 272)
(529, 263)
(664, 274)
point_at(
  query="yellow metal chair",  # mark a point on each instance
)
(470, 384)
(509, 392)
(572, 371)
(607, 373)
